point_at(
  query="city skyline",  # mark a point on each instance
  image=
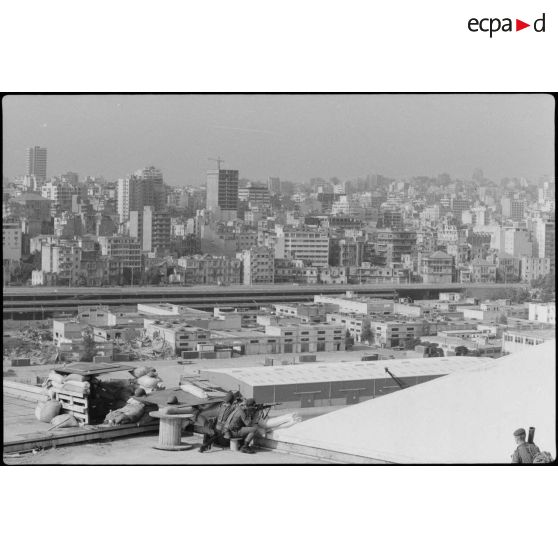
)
(393, 135)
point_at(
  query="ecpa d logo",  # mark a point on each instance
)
(494, 24)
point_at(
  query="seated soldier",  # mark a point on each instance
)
(212, 430)
(242, 424)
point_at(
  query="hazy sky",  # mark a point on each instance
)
(294, 137)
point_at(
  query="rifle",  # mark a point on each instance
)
(264, 409)
(395, 379)
(531, 438)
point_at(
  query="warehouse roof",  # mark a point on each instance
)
(461, 418)
(546, 334)
(344, 371)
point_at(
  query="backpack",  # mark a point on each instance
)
(543, 457)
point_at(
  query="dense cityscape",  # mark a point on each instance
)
(282, 292)
(136, 230)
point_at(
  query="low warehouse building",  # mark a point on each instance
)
(334, 383)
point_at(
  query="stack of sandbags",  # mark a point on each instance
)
(79, 388)
(55, 381)
(72, 382)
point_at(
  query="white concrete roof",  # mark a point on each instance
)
(339, 371)
(461, 418)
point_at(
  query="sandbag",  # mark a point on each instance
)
(148, 382)
(80, 384)
(64, 421)
(71, 387)
(47, 410)
(133, 409)
(140, 371)
(282, 421)
(55, 377)
(57, 386)
(194, 390)
(74, 378)
(117, 417)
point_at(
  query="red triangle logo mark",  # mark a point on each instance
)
(519, 25)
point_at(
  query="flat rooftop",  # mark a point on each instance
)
(235, 333)
(546, 334)
(345, 371)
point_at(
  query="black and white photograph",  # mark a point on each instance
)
(252, 279)
(278, 278)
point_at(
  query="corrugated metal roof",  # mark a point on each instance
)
(344, 371)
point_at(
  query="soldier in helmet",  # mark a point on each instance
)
(525, 451)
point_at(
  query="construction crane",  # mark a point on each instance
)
(395, 379)
(218, 160)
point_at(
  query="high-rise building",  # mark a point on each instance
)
(156, 230)
(513, 209)
(308, 246)
(222, 193)
(123, 248)
(391, 245)
(274, 184)
(143, 188)
(391, 216)
(534, 268)
(11, 241)
(37, 162)
(256, 195)
(258, 265)
(545, 235)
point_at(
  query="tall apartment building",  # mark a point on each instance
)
(437, 268)
(256, 195)
(534, 268)
(60, 193)
(122, 248)
(309, 246)
(222, 193)
(274, 184)
(391, 216)
(346, 252)
(144, 187)
(513, 209)
(11, 241)
(62, 258)
(37, 162)
(391, 245)
(458, 205)
(545, 234)
(257, 265)
(156, 230)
